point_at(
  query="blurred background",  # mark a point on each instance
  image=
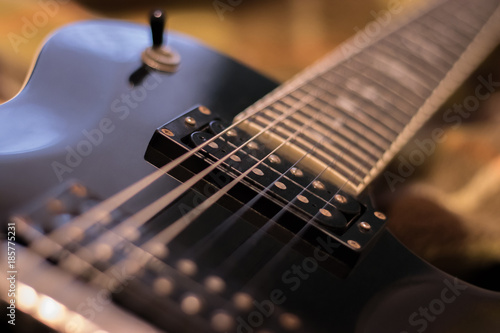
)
(448, 212)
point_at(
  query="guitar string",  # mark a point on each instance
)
(171, 231)
(272, 264)
(96, 214)
(247, 246)
(175, 228)
(103, 209)
(208, 240)
(252, 285)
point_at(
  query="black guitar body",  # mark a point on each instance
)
(79, 118)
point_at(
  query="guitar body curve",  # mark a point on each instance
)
(79, 118)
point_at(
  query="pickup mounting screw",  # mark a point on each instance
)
(365, 226)
(190, 121)
(205, 110)
(253, 145)
(231, 132)
(380, 215)
(353, 244)
(167, 132)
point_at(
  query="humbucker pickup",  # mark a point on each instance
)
(274, 186)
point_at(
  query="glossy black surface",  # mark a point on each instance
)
(79, 100)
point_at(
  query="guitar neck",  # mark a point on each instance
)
(370, 97)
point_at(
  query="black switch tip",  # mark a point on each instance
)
(157, 22)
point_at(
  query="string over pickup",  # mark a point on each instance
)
(272, 186)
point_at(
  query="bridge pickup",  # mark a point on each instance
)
(290, 196)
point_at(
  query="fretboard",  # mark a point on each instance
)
(371, 95)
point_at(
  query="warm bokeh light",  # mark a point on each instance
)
(50, 310)
(27, 297)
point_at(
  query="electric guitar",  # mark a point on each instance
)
(169, 188)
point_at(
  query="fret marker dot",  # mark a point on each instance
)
(187, 267)
(297, 172)
(325, 212)
(274, 159)
(163, 286)
(191, 304)
(318, 185)
(258, 172)
(213, 145)
(280, 185)
(302, 198)
(215, 284)
(235, 158)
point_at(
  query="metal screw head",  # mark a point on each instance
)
(190, 121)
(258, 172)
(302, 198)
(318, 185)
(296, 172)
(205, 110)
(232, 132)
(167, 132)
(353, 244)
(325, 212)
(365, 226)
(280, 185)
(235, 158)
(340, 198)
(380, 215)
(252, 145)
(274, 159)
(79, 190)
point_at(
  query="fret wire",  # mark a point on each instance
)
(438, 71)
(342, 144)
(325, 153)
(424, 68)
(306, 143)
(456, 33)
(476, 16)
(369, 147)
(399, 72)
(357, 150)
(424, 49)
(351, 95)
(375, 75)
(366, 119)
(437, 38)
(454, 14)
(365, 129)
(291, 180)
(394, 96)
(379, 104)
(353, 124)
(346, 133)
(452, 10)
(423, 42)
